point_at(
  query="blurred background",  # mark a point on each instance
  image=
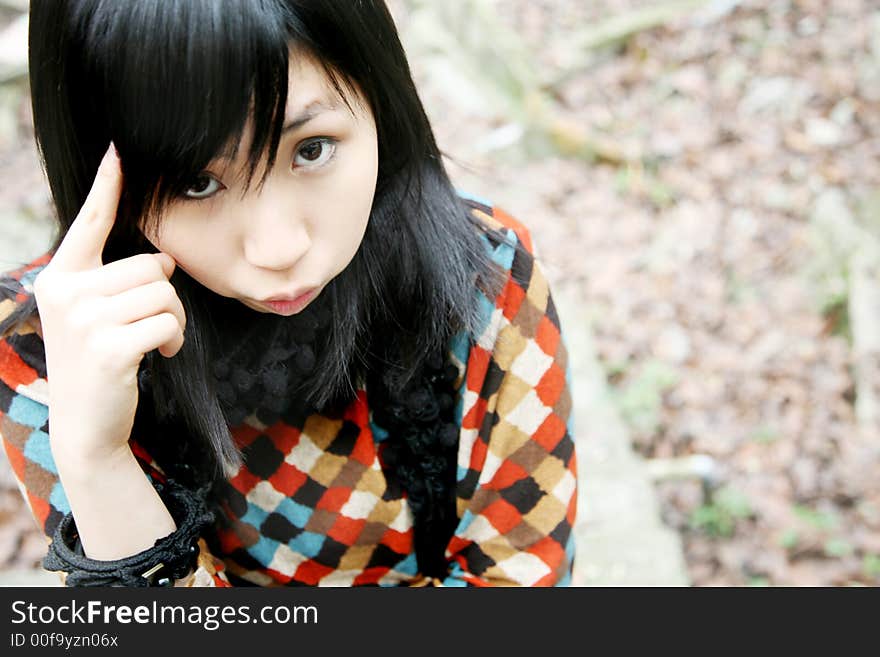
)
(702, 183)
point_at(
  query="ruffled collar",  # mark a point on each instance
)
(262, 360)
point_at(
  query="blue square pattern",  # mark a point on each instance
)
(473, 197)
(408, 566)
(254, 515)
(466, 519)
(569, 556)
(297, 514)
(505, 251)
(37, 449)
(23, 410)
(58, 499)
(456, 576)
(27, 280)
(263, 550)
(379, 433)
(308, 544)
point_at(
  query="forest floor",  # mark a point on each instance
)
(716, 311)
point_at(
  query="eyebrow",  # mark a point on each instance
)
(312, 110)
(309, 112)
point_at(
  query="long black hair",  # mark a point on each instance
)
(172, 83)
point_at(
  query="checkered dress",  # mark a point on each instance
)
(311, 504)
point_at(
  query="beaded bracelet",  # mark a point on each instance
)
(171, 557)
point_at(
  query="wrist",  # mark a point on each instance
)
(162, 560)
(76, 463)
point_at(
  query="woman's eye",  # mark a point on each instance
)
(314, 152)
(203, 186)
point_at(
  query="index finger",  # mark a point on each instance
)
(84, 242)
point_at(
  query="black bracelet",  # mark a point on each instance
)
(171, 557)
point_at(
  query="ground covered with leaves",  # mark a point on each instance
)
(726, 141)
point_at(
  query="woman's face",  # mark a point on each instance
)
(292, 236)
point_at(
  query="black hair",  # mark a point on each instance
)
(172, 83)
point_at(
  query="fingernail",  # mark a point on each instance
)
(111, 153)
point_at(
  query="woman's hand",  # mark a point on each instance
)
(98, 321)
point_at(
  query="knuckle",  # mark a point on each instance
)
(56, 289)
(144, 259)
(174, 324)
(171, 301)
(114, 350)
(44, 283)
(169, 294)
(103, 350)
(147, 266)
(168, 324)
(171, 333)
(154, 267)
(81, 319)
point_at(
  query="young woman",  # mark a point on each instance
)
(271, 344)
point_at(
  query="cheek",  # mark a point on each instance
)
(198, 252)
(168, 240)
(353, 208)
(338, 205)
(357, 182)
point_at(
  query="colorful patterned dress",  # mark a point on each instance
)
(311, 504)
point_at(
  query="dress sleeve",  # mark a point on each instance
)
(24, 420)
(517, 474)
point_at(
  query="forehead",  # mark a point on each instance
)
(310, 92)
(309, 87)
(308, 81)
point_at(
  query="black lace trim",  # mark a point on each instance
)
(265, 359)
(421, 452)
(171, 557)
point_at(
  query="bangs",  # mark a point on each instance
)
(178, 83)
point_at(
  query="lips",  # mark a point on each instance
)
(288, 304)
(287, 297)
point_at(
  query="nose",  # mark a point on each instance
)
(274, 237)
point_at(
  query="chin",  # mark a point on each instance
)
(255, 307)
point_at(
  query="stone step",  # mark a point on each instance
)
(629, 558)
(620, 537)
